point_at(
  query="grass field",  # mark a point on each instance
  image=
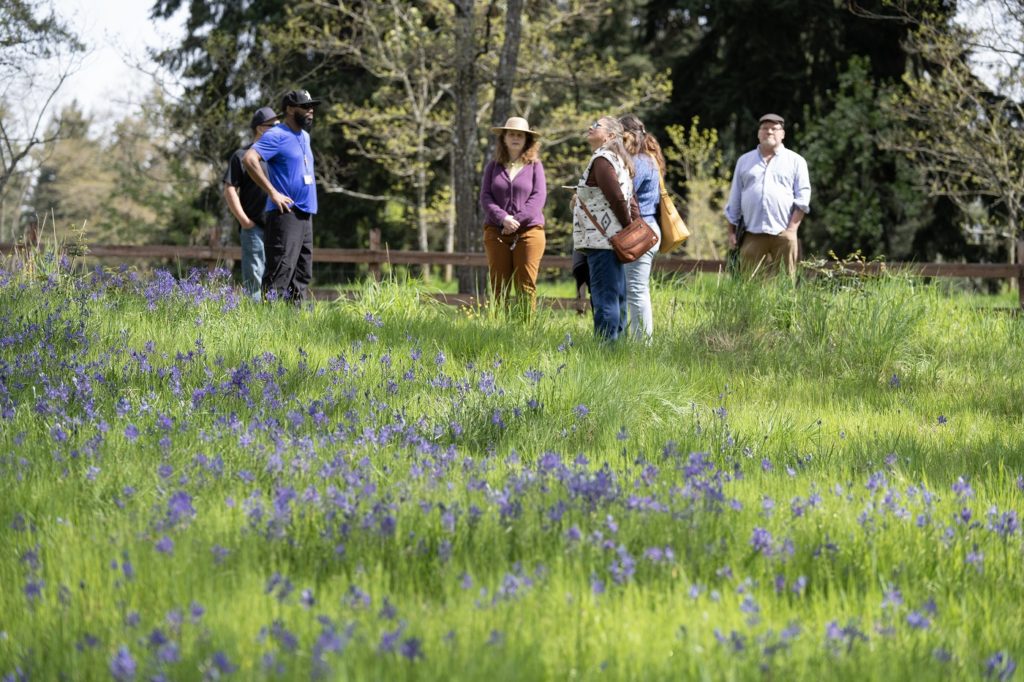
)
(788, 482)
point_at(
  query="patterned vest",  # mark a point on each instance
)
(584, 234)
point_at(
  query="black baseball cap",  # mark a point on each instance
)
(263, 115)
(298, 98)
(774, 118)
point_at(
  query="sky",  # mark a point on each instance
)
(116, 33)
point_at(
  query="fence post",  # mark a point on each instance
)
(1020, 272)
(375, 246)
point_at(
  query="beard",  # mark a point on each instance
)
(301, 121)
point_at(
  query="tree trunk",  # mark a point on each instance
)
(464, 176)
(504, 80)
(449, 235)
(421, 214)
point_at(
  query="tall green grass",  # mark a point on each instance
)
(492, 478)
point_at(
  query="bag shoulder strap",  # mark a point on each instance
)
(590, 215)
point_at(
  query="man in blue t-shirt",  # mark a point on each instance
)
(290, 184)
(247, 202)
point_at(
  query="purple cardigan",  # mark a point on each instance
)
(522, 198)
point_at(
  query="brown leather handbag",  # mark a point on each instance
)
(629, 243)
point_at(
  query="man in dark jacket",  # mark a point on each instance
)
(247, 202)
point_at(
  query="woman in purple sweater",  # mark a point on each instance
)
(512, 195)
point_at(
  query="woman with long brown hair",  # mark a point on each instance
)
(650, 165)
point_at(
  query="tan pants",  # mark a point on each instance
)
(514, 259)
(767, 252)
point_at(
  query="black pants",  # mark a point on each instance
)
(288, 242)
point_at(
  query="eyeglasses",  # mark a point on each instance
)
(595, 126)
(771, 128)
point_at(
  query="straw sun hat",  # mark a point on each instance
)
(517, 124)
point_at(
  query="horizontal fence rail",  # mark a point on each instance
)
(376, 257)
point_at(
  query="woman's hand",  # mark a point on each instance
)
(509, 225)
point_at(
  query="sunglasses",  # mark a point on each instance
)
(595, 126)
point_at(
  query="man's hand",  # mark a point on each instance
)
(248, 225)
(283, 203)
(732, 238)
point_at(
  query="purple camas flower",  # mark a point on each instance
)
(1005, 524)
(918, 620)
(34, 590)
(581, 410)
(799, 585)
(165, 545)
(623, 567)
(962, 489)
(219, 553)
(389, 640)
(976, 559)
(131, 432)
(122, 665)
(179, 507)
(223, 665)
(168, 653)
(1000, 666)
(761, 541)
(892, 598)
(412, 649)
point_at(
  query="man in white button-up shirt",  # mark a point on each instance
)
(771, 193)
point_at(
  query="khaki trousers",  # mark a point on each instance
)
(768, 252)
(514, 259)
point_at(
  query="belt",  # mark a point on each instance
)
(297, 212)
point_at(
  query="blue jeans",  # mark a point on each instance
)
(638, 289)
(254, 260)
(607, 293)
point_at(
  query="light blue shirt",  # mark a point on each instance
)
(646, 185)
(766, 192)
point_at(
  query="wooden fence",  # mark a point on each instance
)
(376, 256)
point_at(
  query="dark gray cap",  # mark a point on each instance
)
(263, 115)
(774, 118)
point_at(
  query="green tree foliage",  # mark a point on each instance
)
(37, 53)
(697, 156)
(967, 135)
(864, 199)
(129, 186)
(73, 178)
(28, 35)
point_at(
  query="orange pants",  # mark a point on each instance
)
(514, 259)
(766, 252)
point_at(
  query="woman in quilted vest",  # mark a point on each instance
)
(650, 165)
(604, 196)
(512, 196)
